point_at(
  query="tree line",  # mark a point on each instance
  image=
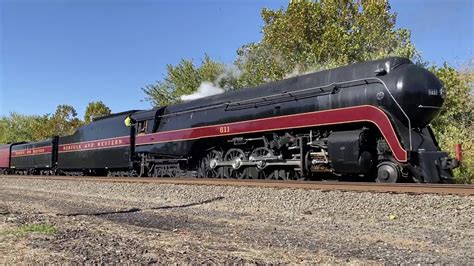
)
(305, 36)
(64, 121)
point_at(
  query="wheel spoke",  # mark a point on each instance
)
(261, 172)
(236, 156)
(205, 169)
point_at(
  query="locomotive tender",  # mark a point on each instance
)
(368, 120)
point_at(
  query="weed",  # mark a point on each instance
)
(46, 229)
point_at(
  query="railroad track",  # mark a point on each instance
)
(407, 188)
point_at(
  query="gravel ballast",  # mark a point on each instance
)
(98, 222)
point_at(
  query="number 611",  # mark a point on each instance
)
(224, 130)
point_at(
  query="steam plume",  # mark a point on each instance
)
(205, 89)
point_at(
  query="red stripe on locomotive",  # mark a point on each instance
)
(364, 113)
(318, 118)
(95, 144)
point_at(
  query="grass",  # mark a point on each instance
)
(46, 229)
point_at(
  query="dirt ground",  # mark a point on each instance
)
(65, 222)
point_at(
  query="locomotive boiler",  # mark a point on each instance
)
(365, 121)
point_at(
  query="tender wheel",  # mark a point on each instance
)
(236, 156)
(387, 172)
(206, 168)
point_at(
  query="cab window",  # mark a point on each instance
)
(141, 127)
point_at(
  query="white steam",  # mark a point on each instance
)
(208, 88)
(298, 71)
(205, 89)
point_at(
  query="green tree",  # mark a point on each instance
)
(307, 35)
(3, 130)
(17, 127)
(313, 35)
(95, 110)
(184, 79)
(64, 121)
(41, 128)
(455, 123)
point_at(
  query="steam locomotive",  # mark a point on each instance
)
(368, 120)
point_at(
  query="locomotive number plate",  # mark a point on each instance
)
(224, 130)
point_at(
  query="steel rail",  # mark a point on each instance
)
(398, 188)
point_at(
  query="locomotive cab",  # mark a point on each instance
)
(148, 121)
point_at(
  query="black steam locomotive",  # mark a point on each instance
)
(368, 120)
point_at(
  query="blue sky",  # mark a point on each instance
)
(76, 51)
